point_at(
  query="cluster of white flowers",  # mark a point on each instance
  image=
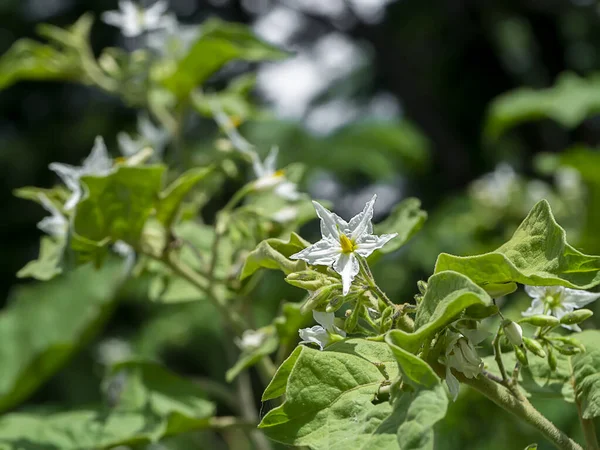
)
(343, 241)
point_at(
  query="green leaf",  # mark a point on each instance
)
(220, 43)
(171, 199)
(586, 374)
(48, 264)
(406, 219)
(46, 323)
(537, 254)
(30, 60)
(274, 254)
(331, 401)
(249, 358)
(152, 403)
(415, 371)
(448, 295)
(118, 205)
(571, 100)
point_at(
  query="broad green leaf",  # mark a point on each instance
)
(171, 199)
(331, 401)
(274, 254)
(415, 371)
(537, 254)
(118, 205)
(417, 413)
(31, 60)
(151, 403)
(448, 295)
(406, 219)
(586, 373)
(250, 357)
(571, 100)
(45, 324)
(48, 264)
(220, 43)
(329, 397)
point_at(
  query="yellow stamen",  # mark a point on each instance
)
(348, 246)
(279, 173)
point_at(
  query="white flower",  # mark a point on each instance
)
(175, 39)
(514, 333)
(149, 136)
(462, 356)
(56, 225)
(251, 340)
(267, 176)
(557, 301)
(320, 334)
(496, 188)
(229, 128)
(133, 20)
(342, 241)
(125, 250)
(97, 163)
(287, 214)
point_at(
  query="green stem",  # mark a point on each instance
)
(498, 355)
(226, 423)
(523, 410)
(249, 411)
(588, 427)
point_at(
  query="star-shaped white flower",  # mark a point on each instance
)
(133, 20)
(55, 225)
(320, 334)
(267, 176)
(342, 241)
(97, 163)
(557, 301)
(149, 136)
(461, 355)
(251, 340)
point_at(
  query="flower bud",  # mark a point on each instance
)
(569, 341)
(352, 319)
(576, 317)
(513, 332)
(567, 350)
(334, 304)
(317, 298)
(521, 356)
(541, 320)
(534, 347)
(310, 280)
(422, 285)
(552, 362)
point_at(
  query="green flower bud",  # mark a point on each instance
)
(352, 318)
(422, 285)
(567, 350)
(513, 332)
(318, 297)
(534, 347)
(552, 362)
(310, 280)
(521, 356)
(576, 317)
(541, 320)
(569, 341)
(334, 304)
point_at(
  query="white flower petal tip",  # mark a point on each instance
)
(558, 301)
(133, 20)
(322, 334)
(342, 242)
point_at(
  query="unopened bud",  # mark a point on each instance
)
(513, 332)
(352, 318)
(576, 317)
(552, 362)
(334, 304)
(521, 356)
(534, 347)
(317, 298)
(541, 320)
(569, 341)
(422, 285)
(309, 280)
(567, 350)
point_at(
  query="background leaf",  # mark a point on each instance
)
(406, 219)
(274, 254)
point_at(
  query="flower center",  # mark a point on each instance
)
(552, 301)
(348, 246)
(279, 173)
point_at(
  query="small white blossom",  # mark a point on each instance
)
(320, 334)
(251, 340)
(133, 20)
(229, 128)
(149, 135)
(97, 163)
(287, 214)
(557, 301)
(125, 250)
(113, 350)
(342, 241)
(462, 356)
(514, 333)
(267, 176)
(57, 224)
(496, 188)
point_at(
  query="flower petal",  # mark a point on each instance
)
(579, 298)
(347, 266)
(360, 224)
(369, 243)
(270, 163)
(536, 291)
(324, 319)
(315, 335)
(453, 384)
(322, 253)
(331, 223)
(287, 190)
(537, 307)
(98, 162)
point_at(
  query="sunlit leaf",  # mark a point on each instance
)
(274, 254)
(48, 264)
